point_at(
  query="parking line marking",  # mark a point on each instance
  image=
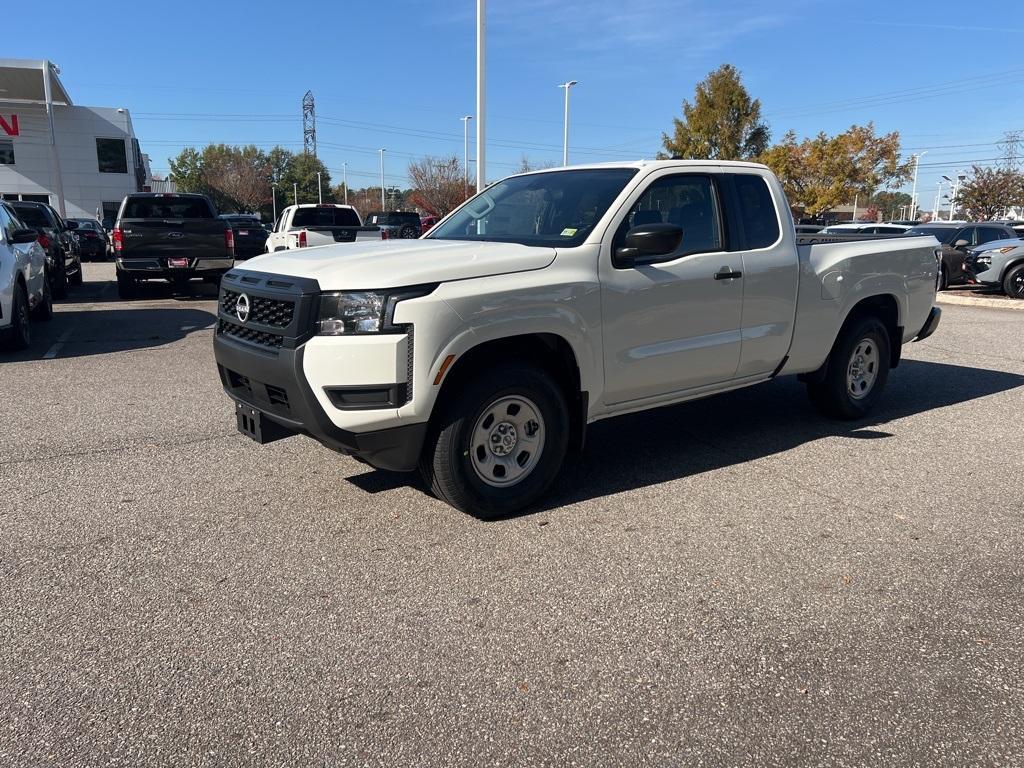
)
(52, 351)
(188, 327)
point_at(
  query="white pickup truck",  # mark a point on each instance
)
(310, 225)
(480, 353)
(24, 284)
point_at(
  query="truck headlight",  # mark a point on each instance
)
(347, 313)
(350, 313)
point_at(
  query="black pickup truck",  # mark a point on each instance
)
(250, 236)
(174, 237)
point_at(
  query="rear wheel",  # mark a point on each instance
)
(59, 283)
(856, 372)
(497, 447)
(408, 233)
(126, 287)
(77, 277)
(1013, 283)
(19, 334)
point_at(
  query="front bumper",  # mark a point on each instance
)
(929, 325)
(272, 363)
(981, 273)
(276, 387)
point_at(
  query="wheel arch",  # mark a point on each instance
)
(886, 308)
(1014, 262)
(550, 351)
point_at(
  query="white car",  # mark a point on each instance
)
(310, 225)
(551, 300)
(24, 287)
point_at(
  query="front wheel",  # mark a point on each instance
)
(856, 372)
(20, 335)
(44, 309)
(497, 447)
(1013, 283)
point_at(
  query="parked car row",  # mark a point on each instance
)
(956, 240)
(25, 281)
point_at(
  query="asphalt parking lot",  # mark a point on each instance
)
(729, 582)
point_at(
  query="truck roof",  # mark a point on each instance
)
(656, 164)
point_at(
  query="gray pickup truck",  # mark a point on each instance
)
(174, 237)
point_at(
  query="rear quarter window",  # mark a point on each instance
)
(757, 210)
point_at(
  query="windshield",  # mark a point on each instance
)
(943, 234)
(555, 208)
(32, 216)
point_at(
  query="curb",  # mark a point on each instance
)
(944, 297)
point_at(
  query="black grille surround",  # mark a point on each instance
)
(282, 310)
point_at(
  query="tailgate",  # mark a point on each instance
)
(161, 238)
(329, 235)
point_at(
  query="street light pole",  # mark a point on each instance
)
(938, 201)
(565, 124)
(273, 197)
(913, 194)
(481, 79)
(383, 207)
(319, 189)
(344, 180)
(295, 191)
(465, 151)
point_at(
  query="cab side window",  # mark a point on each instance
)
(757, 211)
(689, 201)
(988, 234)
(968, 234)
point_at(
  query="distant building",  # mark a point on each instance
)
(81, 160)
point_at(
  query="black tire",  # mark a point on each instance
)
(59, 284)
(446, 463)
(126, 287)
(19, 335)
(833, 395)
(77, 278)
(44, 309)
(1013, 282)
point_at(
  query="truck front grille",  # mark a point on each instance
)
(263, 310)
(252, 335)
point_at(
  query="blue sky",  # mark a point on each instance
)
(400, 74)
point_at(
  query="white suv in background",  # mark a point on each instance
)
(24, 289)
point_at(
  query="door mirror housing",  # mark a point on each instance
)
(647, 243)
(961, 244)
(24, 236)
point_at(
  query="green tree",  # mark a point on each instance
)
(827, 171)
(990, 192)
(722, 123)
(889, 203)
(299, 172)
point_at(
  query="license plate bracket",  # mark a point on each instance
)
(256, 426)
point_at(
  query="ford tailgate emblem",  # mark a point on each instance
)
(174, 235)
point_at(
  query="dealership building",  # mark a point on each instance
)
(81, 160)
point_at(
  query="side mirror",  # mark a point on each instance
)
(71, 224)
(648, 242)
(960, 244)
(24, 236)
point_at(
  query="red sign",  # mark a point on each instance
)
(11, 128)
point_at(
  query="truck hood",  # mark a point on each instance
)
(397, 263)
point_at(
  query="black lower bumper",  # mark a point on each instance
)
(930, 324)
(273, 385)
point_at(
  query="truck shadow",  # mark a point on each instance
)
(639, 450)
(82, 333)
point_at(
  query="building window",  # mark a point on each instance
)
(111, 156)
(6, 152)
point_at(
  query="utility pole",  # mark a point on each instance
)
(913, 194)
(565, 123)
(465, 151)
(481, 113)
(273, 197)
(855, 199)
(344, 180)
(319, 189)
(295, 191)
(383, 206)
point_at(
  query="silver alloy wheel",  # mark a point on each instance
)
(507, 441)
(862, 369)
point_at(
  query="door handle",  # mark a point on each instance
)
(726, 273)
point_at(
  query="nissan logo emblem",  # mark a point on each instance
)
(242, 308)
